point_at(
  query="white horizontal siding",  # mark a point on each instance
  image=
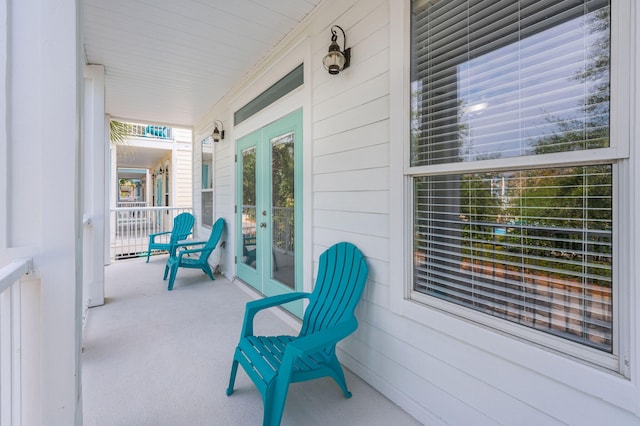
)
(182, 135)
(371, 89)
(375, 248)
(388, 372)
(371, 157)
(362, 223)
(360, 137)
(183, 180)
(362, 115)
(377, 293)
(360, 201)
(196, 179)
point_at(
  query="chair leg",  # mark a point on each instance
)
(232, 376)
(207, 270)
(275, 400)
(338, 375)
(166, 271)
(277, 393)
(172, 276)
(148, 254)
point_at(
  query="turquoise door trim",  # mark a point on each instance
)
(246, 218)
(257, 267)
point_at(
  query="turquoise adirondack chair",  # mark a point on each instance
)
(195, 258)
(272, 362)
(182, 226)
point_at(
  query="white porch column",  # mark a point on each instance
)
(113, 191)
(40, 215)
(61, 268)
(95, 212)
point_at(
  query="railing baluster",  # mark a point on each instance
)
(10, 341)
(132, 226)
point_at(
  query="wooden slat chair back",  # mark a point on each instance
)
(182, 227)
(273, 362)
(194, 258)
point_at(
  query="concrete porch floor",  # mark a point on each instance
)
(154, 357)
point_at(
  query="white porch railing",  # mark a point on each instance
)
(137, 204)
(131, 226)
(11, 341)
(148, 131)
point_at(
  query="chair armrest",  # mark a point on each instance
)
(315, 342)
(256, 306)
(186, 243)
(189, 251)
(154, 235)
(183, 243)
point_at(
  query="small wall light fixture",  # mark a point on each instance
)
(218, 131)
(335, 60)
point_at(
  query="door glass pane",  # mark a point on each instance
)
(282, 208)
(249, 207)
(207, 208)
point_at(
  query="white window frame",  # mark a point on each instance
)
(201, 138)
(484, 330)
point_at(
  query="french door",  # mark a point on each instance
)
(269, 208)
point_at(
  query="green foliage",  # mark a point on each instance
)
(249, 177)
(282, 175)
(119, 131)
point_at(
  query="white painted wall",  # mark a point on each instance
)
(441, 369)
(40, 209)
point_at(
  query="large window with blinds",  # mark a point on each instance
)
(511, 164)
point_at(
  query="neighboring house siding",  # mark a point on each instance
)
(443, 370)
(177, 156)
(196, 177)
(183, 175)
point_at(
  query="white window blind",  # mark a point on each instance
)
(493, 80)
(533, 247)
(499, 79)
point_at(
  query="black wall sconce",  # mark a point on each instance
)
(218, 131)
(337, 60)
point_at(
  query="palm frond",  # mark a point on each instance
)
(119, 131)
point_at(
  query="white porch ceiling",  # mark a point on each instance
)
(169, 61)
(137, 157)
